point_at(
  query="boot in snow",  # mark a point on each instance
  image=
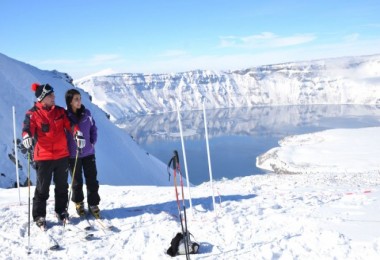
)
(41, 223)
(94, 211)
(80, 208)
(63, 216)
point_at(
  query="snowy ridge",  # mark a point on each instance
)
(349, 80)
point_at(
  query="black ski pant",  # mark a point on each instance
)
(46, 170)
(88, 164)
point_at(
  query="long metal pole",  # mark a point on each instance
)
(208, 156)
(28, 201)
(16, 153)
(72, 179)
(184, 158)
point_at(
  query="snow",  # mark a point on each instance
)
(325, 214)
(326, 207)
(337, 150)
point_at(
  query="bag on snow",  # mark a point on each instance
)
(177, 245)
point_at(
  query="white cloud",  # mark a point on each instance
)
(248, 59)
(102, 58)
(351, 37)
(95, 60)
(179, 61)
(172, 53)
(373, 25)
(58, 62)
(265, 39)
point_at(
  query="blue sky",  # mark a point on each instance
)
(82, 37)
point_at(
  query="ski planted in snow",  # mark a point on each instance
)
(102, 223)
(87, 225)
(82, 231)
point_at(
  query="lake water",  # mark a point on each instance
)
(237, 136)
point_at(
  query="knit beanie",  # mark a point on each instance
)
(41, 91)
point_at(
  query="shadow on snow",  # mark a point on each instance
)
(171, 207)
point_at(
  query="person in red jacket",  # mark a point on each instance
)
(44, 130)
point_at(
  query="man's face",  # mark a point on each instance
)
(49, 100)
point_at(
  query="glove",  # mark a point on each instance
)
(79, 139)
(27, 141)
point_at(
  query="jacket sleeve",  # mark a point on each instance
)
(93, 129)
(29, 125)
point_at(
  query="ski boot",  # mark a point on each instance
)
(41, 223)
(80, 208)
(63, 216)
(95, 211)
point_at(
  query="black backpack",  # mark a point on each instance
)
(177, 245)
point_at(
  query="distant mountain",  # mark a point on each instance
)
(348, 80)
(120, 160)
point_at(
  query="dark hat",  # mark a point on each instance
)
(41, 91)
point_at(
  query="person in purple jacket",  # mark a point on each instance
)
(81, 116)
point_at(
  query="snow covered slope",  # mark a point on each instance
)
(349, 80)
(271, 216)
(120, 160)
(341, 151)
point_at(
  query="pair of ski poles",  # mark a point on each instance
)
(176, 167)
(69, 197)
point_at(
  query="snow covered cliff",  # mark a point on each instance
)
(348, 80)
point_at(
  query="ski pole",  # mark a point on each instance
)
(28, 202)
(175, 183)
(184, 229)
(175, 168)
(187, 237)
(72, 179)
(181, 183)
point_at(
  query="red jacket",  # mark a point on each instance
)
(48, 128)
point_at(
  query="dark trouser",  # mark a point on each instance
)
(58, 169)
(88, 164)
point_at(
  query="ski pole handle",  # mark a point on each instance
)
(176, 159)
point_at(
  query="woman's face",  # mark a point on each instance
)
(76, 103)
